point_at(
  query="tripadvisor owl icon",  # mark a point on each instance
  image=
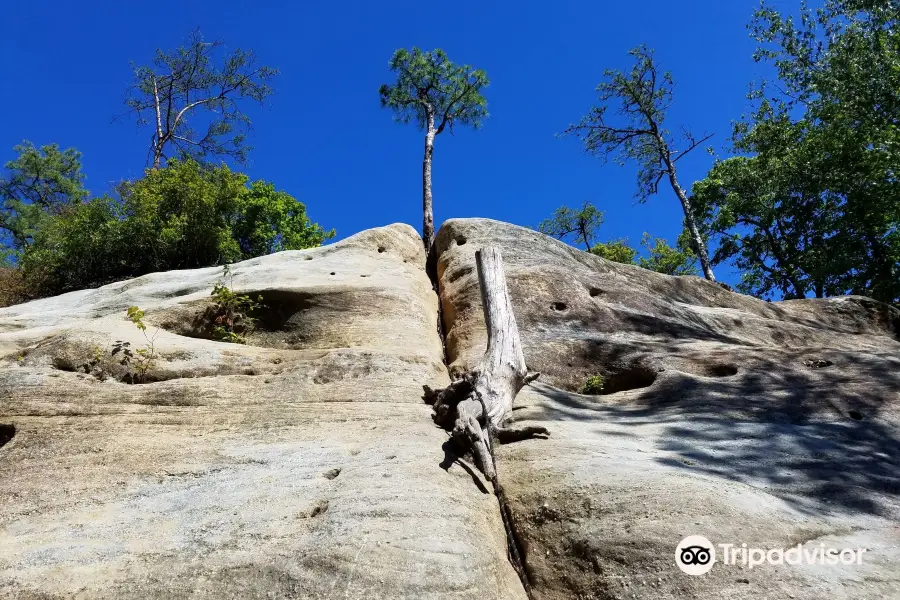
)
(695, 555)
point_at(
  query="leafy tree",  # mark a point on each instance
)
(437, 94)
(813, 210)
(37, 183)
(582, 224)
(198, 83)
(641, 99)
(82, 246)
(182, 216)
(663, 258)
(616, 250)
(270, 220)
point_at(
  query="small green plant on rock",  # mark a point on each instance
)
(230, 312)
(138, 361)
(594, 385)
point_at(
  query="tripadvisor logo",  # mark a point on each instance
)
(696, 555)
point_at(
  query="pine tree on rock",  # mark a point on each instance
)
(637, 132)
(437, 94)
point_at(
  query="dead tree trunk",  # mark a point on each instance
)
(476, 407)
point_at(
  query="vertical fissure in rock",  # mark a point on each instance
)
(485, 393)
(431, 271)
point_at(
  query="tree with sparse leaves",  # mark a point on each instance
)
(581, 224)
(193, 98)
(640, 99)
(436, 94)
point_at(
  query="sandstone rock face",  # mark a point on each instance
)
(300, 465)
(304, 464)
(770, 424)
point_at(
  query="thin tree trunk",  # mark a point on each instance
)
(699, 245)
(157, 146)
(427, 201)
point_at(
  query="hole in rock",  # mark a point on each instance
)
(721, 370)
(560, 306)
(855, 415)
(595, 291)
(309, 258)
(7, 432)
(817, 363)
(320, 507)
(461, 241)
(632, 378)
(332, 273)
(381, 249)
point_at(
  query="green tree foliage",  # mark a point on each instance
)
(616, 250)
(581, 224)
(193, 99)
(179, 217)
(436, 94)
(813, 209)
(38, 182)
(663, 258)
(637, 133)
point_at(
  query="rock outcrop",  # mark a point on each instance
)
(304, 463)
(769, 424)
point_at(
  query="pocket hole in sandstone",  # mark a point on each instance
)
(461, 241)
(721, 371)
(855, 415)
(595, 291)
(632, 378)
(309, 258)
(560, 306)
(363, 275)
(331, 473)
(817, 363)
(381, 249)
(333, 273)
(319, 508)
(7, 432)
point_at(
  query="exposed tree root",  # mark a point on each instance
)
(476, 407)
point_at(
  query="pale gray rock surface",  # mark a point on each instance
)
(770, 424)
(304, 464)
(300, 465)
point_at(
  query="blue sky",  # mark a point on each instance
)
(324, 137)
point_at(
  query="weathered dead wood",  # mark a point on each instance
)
(476, 407)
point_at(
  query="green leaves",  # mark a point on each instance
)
(269, 220)
(616, 250)
(39, 182)
(813, 210)
(193, 84)
(180, 217)
(136, 316)
(635, 129)
(581, 224)
(433, 91)
(662, 258)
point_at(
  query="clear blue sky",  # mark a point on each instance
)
(324, 137)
